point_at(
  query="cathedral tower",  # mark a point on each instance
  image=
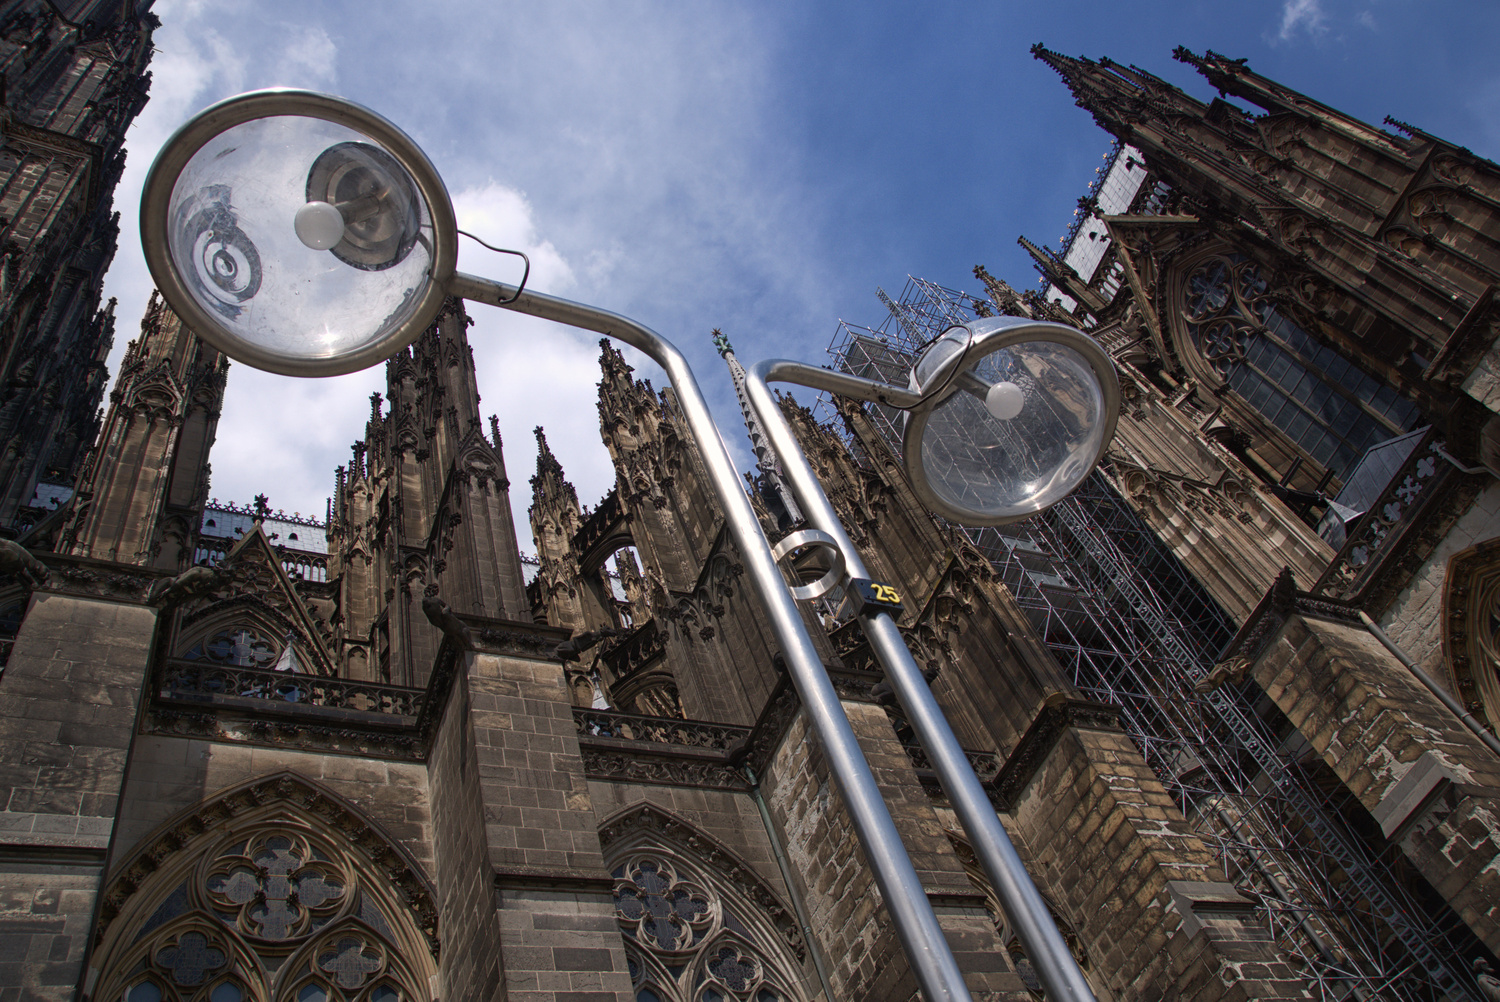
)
(141, 495)
(73, 80)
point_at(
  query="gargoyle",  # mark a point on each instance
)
(572, 648)
(168, 593)
(439, 615)
(1233, 670)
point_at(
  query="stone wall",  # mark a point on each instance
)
(557, 926)
(1150, 901)
(1414, 619)
(67, 712)
(1424, 778)
(170, 774)
(843, 903)
(471, 966)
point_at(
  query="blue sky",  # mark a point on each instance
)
(757, 167)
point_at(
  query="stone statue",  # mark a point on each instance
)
(16, 561)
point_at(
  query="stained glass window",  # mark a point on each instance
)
(274, 911)
(1329, 409)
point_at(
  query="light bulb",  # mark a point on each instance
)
(1004, 400)
(319, 225)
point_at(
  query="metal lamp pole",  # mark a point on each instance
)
(1022, 902)
(916, 924)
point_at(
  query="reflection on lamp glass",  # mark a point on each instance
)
(300, 235)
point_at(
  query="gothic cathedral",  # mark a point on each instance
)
(386, 757)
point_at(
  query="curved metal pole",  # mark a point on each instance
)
(1023, 904)
(916, 924)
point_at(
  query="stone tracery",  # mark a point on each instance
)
(691, 933)
(273, 905)
(1325, 408)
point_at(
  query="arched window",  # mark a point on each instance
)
(1327, 407)
(273, 906)
(690, 935)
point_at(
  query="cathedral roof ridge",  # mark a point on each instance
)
(297, 518)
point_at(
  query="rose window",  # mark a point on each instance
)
(240, 647)
(658, 909)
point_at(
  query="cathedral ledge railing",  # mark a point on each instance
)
(208, 692)
(614, 725)
(290, 693)
(1386, 544)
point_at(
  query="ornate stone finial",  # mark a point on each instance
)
(721, 342)
(1185, 55)
(495, 431)
(375, 399)
(262, 506)
(548, 466)
(1410, 130)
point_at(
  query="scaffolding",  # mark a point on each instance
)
(1133, 629)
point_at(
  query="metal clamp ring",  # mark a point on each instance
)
(812, 537)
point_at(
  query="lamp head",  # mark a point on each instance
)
(1015, 413)
(298, 232)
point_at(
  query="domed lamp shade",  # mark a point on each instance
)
(1015, 413)
(298, 232)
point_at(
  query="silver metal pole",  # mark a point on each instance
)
(1023, 904)
(931, 959)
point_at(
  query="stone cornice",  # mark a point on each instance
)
(86, 577)
(1056, 716)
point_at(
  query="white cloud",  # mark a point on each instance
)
(311, 57)
(1302, 16)
(632, 152)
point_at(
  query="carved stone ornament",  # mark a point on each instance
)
(634, 748)
(402, 743)
(96, 579)
(646, 825)
(300, 804)
(521, 640)
(1471, 628)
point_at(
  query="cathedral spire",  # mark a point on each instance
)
(549, 482)
(770, 480)
(1113, 95)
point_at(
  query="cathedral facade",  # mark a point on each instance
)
(253, 758)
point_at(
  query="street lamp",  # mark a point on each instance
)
(306, 235)
(1004, 417)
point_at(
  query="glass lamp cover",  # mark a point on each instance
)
(1022, 411)
(298, 233)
